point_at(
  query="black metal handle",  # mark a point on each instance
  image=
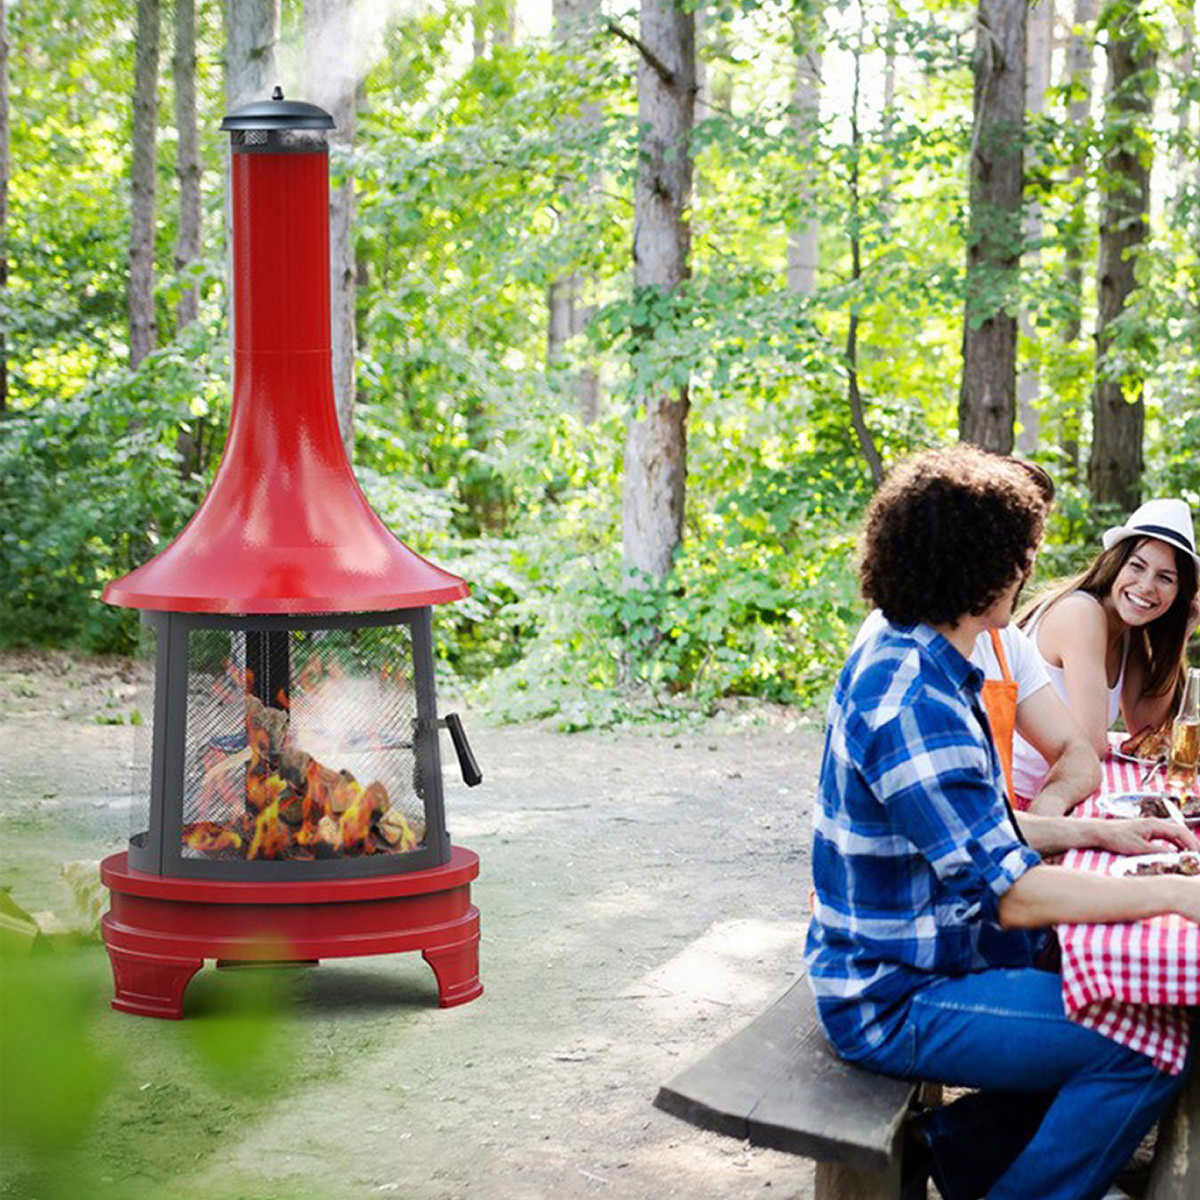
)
(471, 773)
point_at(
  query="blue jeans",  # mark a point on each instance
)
(1071, 1104)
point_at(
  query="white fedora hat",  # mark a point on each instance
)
(1169, 521)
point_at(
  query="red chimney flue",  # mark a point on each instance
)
(285, 527)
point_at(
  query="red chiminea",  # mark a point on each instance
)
(292, 802)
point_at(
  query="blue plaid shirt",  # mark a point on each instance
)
(912, 842)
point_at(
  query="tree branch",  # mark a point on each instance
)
(663, 71)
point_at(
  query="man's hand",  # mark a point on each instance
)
(1143, 835)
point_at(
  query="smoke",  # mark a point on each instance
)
(341, 40)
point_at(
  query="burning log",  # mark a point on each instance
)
(376, 798)
(329, 838)
(396, 831)
(345, 793)
(294, 766)
(266, 729)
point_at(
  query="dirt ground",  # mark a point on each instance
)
(641, 896)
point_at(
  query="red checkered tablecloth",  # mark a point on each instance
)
(1128, 981)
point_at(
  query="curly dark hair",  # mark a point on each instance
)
(947, 532)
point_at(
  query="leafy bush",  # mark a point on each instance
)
(93, 486)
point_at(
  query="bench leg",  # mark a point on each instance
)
(1176, 1165)
(836, 1181)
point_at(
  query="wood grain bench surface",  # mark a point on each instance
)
(777, 1083)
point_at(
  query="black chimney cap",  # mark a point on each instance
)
(278, 113)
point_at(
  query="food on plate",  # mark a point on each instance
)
(1190, 807)
(1184, 864)
(1153, 806)
(1152, 743)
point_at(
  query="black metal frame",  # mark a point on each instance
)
(158, 850)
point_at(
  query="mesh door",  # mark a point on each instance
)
(300, 744)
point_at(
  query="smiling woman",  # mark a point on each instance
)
(1114, 639)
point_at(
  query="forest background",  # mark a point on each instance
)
(633, 306)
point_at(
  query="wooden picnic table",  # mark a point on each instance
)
(1134, 981)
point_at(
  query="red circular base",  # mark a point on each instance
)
(159, 930)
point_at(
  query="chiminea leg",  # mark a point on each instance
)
(150, 985)
(456, 967)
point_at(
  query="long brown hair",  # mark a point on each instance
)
(1162, 644)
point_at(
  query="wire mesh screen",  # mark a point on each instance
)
(301, 744)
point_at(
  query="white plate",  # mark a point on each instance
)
(1127, 804)
(1129, 866)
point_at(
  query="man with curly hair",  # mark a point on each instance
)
(1018, 698)
(932, 904)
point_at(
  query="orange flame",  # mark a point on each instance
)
(356, 820)
(271, 835)
(210, 838)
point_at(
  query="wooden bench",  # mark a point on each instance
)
(777, 1083)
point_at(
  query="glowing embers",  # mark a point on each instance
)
(322, 774)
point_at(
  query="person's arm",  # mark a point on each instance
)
(1046, 723)
(1145, 835)
(1074, 633)
(1140, 710)
(1046, 895)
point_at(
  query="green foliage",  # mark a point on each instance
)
(85, 1110)
(480, 182)
(92, 486)
(54, 1077)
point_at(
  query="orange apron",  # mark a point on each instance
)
(999, 697)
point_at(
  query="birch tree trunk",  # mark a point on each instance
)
(858, 417)
(655, 465)
(1118, 421)
(987, 401)
(802, 247)
(3, 199)
(1039, 35)
(491, 20)
(1078, 65)
(1184, 159)
(251, 36)
(330, 66)
(187, 154)
(566, 310)
(142, 326)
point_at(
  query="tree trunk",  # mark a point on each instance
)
(987, 401)
(1039, 39)
(329, 44)
(142, 329)
(1079, 112)
(656, 439)
(1185, 68)
(491, 19)
(802, 248)
(1115, 465)
(566, 314)
(3, 200)
(187, 154)
(858, 417)
(251, 36)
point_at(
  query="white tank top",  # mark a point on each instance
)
(1029, 767)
